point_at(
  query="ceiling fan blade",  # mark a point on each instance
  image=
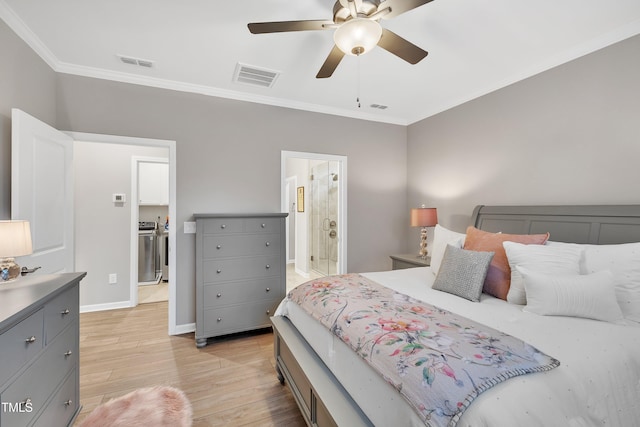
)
(400, 6)
(331, 63)
(285, 26)
(400, 47)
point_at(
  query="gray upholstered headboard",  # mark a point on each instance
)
(594, 224)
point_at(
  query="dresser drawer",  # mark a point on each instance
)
(60, 312)
(221, 245)
(41, 379)
(20, 344)
(239, 292)
(63, 406)
(262, 225)
(238, 318)
(222, 225)
(222, 270)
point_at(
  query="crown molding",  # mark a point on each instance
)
(33, 41)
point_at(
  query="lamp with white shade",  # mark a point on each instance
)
(15, 240)
(423, 217)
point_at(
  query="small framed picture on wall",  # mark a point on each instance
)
(300, 202)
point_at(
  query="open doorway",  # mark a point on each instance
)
(124, 291)
(314, 192)
(54, 206)
(150, 203)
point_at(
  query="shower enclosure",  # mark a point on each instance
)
(324, 230)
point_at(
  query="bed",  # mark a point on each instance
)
(597, 381)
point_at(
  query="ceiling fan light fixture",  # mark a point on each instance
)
(357, 36)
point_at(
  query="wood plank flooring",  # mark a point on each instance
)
(230, 382)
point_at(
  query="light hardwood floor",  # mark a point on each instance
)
(230, 382)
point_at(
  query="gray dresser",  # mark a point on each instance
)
(240, 272)
(39, 346)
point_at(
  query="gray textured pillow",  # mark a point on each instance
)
(462, 272)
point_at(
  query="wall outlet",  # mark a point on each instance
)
(113, 278)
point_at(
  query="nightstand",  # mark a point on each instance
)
(408, 261)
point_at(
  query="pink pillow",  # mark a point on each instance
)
(499, 274)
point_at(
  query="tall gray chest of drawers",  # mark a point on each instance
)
(39, 343)
(240, 272)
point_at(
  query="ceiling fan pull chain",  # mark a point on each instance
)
(358, 81)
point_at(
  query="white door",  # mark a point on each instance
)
(42, 191)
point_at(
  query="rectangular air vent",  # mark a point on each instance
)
(255, 76)
(136, 61)
(378, 106)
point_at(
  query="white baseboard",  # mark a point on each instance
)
(184, 329)
(103, 307)
(302, 273)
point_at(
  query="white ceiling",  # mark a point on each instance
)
(475, 47)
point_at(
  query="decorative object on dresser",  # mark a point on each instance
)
(240, 272)
(39, 344)
(423, 217)
(408, 261)
(15, 240)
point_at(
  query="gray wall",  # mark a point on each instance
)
(228, 160)
(228, 152)
(27, 83)
(567, 136)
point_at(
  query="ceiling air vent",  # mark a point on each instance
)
(136, 61)
(255, 76)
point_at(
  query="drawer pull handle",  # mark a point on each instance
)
(268, 266)
(68, 353)
(267, 244)
(68, 402)
(219, 319)
(218, 271)
(218, 247)
(268, 289)
(223, 226)
(219, 295)
(65, 311)
(30, 340)
(263, 225)
(268, 311)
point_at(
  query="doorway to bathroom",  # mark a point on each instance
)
(314, 193)
(324, 203)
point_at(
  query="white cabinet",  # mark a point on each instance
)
(153, 183)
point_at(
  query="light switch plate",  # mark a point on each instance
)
(189, 227)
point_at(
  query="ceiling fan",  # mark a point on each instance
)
(357, 30)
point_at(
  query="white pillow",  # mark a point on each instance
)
(623, 261)
(563, 260)
(590, 296)
(441, 238)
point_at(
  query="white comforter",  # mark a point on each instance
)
(597, 384)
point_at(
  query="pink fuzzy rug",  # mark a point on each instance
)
(154, 406)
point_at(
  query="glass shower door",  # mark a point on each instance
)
(324, 227)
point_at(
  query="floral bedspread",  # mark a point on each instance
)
(439, 361)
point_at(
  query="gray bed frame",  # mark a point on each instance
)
(322, 399)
